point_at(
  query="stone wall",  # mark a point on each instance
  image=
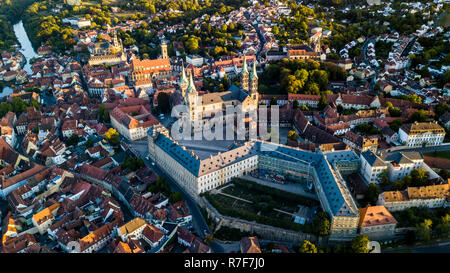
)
(262, 231)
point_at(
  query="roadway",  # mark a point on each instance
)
(426, 149)
(198, 221)
(408, 47)
(363, 52)
(260, 36)
(435, 247)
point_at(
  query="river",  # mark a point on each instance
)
(26, 49)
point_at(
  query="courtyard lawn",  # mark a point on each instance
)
(255, 192)
(444, 20)
(442, 154)
(263, 202)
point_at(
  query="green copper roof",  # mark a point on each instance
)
(254, 74)
(244, 67)
(183, 75)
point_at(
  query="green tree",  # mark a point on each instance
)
(35, 104)
(164, 102)
(73, 140)
(304, 108)
(273, 101)
(112, 136)
(103, 113)
(372, 193)
(443, 228)
(308, 247)
(322, 224)
(292, 135)
(359, 244)
(384, 179)
(423, 230)
(419, 177)
(323, 102)
(88, 144)
(5, 108)
(444, 174)
(18, 105)
(440, 109)
(394, 111)
(396, 124)
(175, 197)
(419, 116)
(192, 44)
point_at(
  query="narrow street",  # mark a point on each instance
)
(260, 37)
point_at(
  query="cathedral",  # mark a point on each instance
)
(107, 53)
(207, 105)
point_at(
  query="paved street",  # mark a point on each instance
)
(260, 37)
(443, 147)
(435, 247)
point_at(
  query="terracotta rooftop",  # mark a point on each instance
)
(375, 215)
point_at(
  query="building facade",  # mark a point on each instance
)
(434, 196)
(197, 175)
(395, 165)
(376, 222)
(419, 134)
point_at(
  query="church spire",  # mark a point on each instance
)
(244, 67)
(254, 74)
(191, 83)
(183, 74)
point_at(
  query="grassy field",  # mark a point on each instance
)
(444, 21)
(280, 203)
(263, 202)
(443, 154)
(256, 209)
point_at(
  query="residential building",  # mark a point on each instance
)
(43, 219)
(132, 229)
(397, 165)
(132, 122)
(376, 222)
(433, 196)
(153, 236)
(97, 239)
(420, 134)
(360, 143)
(195, 60)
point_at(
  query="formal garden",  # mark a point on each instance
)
(254, 202)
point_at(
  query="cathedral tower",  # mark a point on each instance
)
(244, 76)
(192, 95)
(164, 50)
(183, 82)
(254, 82)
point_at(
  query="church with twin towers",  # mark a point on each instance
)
(204, 106)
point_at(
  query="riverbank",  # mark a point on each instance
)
(26, 47)
(11, 12)
(6, 90)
